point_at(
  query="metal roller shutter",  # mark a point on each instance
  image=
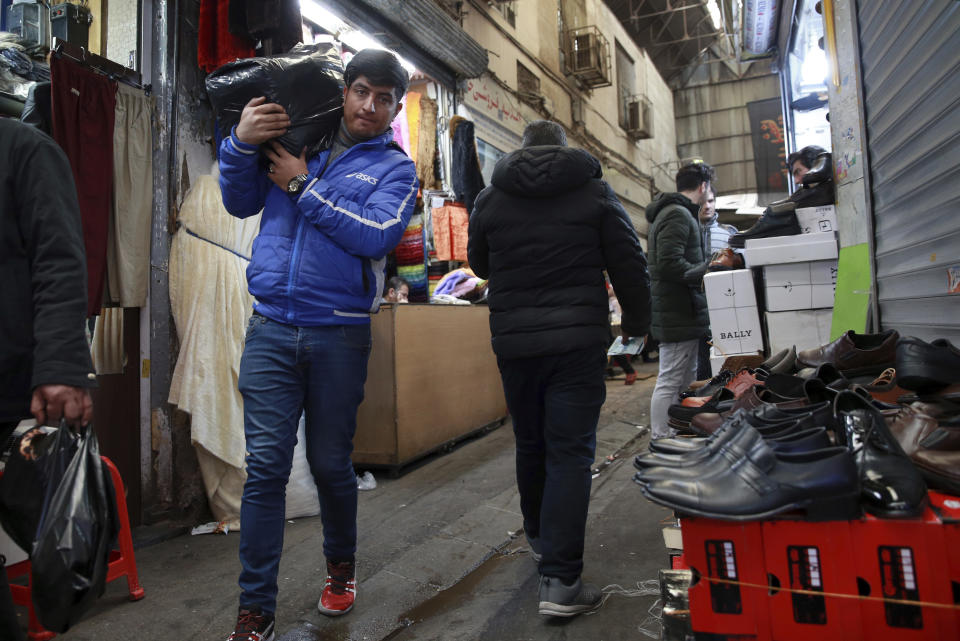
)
(910, 52)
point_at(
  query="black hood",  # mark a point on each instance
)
(544, 172)
(662, 200)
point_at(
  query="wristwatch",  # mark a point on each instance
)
(296, 184)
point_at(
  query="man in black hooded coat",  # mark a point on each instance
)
(543, 233)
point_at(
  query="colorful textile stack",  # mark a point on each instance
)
(435, 272)
(411, 263)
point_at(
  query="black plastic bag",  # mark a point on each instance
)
(307, 81)
(77, 530)
(36, 456)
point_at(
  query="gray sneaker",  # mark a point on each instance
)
(559, 600)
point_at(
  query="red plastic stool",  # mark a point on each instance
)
(122, 562)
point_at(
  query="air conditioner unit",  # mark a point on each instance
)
(639, 118)
(587, 56)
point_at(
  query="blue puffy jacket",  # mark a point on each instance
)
(319, 260)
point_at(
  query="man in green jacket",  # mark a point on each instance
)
(678, 261)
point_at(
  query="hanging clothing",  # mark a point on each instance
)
(107, 345)
(467, 179)
(216, 45)
(411, 108)
(427, 144)
(128, 246)
(276, 21)
(210, 305)
(83, 114)
(450, 226)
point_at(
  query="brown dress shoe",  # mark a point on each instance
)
(725, 259)
(855, 354)
(884, 388)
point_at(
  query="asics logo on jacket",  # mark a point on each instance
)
(319, 259)
(363, 177)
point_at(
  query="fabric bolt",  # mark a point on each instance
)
(555, 403)
(450, 232)
(678, 368)
(107, 345)
(128, 244)
(427, 144)
(449, 282)
(411, 108)
(216, 45)
(282, 368)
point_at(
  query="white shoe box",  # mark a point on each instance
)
(790, 249)
(734, 317)
(814, 220)
(804, 329)
(736, 330)
(730, 289)
(800, 285)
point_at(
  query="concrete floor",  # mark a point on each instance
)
(435, 561)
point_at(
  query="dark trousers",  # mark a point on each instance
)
(555, 403)
(703, 360)
(9, 626)
(84, 105)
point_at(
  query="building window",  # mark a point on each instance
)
(626, 85)
(509, 11)
(528, 86)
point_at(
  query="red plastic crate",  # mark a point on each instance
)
(731, 551)
(905, 559)
(948, 508)
(815, 557)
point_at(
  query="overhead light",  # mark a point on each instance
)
(715, 16)
(315, 12)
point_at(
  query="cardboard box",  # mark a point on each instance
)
(736, 330)
(790, 249)
(800, 285)
(730, 289)
(814, 220)
(805, 329)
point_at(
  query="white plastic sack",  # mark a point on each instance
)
(302, 497)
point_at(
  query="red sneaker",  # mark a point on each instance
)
(631, 378)
(340, 589)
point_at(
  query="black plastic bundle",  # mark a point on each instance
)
(307, 81)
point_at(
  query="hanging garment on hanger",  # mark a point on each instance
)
(278, 21)
(128, 244)
(83, 108)
(427, 144)
(450, 225)
(216, 45)
(411, 111)
(467, 179)
(107, 345)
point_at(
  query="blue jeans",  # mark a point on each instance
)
(286, 370)
(555, 402)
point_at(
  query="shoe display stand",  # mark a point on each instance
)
(871, 578)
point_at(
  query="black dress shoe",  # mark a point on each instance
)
(823, 484)
(890, 484)
(924, 367)
(778, 219)
(716, 383)
(672, 446)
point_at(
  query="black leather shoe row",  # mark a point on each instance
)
(927, 367)
(772, 460)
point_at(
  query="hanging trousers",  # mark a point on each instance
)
(83, 116)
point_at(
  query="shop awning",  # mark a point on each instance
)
(421, 32)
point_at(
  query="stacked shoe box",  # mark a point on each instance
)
(734, 315)
(870, 578)
(800, 276)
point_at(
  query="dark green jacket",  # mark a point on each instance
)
(678, 262)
